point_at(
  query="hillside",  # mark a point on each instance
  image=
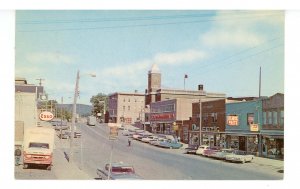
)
(82, 109)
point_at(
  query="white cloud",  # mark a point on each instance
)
(241, 29)
(181, 57)
(49, 57)
(174, 58)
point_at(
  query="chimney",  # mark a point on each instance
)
(200, 87)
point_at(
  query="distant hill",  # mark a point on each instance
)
(81, 109)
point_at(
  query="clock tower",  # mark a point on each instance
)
(154, 83)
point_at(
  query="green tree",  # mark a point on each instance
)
(99, 103)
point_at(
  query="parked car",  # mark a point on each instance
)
(149, 138)
(210, 151)
(156, 141)
(200, 149)
(118, 171)
(191, 149)
(172, 144)
(238, 157)
(222, 153)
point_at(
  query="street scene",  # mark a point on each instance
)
(149, 95)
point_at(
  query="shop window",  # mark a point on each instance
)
(264, 118)
(275, 118)
(250, 118)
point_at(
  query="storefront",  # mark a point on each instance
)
(273, 146)
(246, 142)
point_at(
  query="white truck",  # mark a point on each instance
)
(91, 120)
(38, 146)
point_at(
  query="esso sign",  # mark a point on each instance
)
(46, 116)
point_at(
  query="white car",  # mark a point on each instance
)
(149, 138)
(239, 158)
(201, 149)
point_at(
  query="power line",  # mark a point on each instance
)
(146, 25)
(135, 18)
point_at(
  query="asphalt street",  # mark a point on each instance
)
(152, 163)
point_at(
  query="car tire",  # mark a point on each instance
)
(25, 166)
(49, 167)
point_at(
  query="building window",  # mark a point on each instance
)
(275, 118)
(128, 108)
(214, 117)
(281, 117)
(123, 108)
(124, 100)
(269, 118)
(205, 117)
(128, 99)
(264, 118)
(250, 118)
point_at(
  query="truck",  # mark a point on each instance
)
(38, 147)
(91, 120)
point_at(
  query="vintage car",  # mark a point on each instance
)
(210, 151)
(191, 149)
(200, 149)
(222, 153)
(117, 171)
(172, 144)
(239, 157)
(149, 138)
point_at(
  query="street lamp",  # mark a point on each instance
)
(74, 113)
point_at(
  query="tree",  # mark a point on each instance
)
(99, 103)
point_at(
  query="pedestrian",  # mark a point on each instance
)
(18, 154)
(129, 141)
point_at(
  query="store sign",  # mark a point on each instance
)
(233, 120)
(113, 132)
(253, 127)
(164, 116)
(46, 116)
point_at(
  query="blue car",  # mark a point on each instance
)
(172, 144)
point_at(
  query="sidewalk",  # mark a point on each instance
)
(63, 169)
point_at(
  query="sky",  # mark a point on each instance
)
(223, 50)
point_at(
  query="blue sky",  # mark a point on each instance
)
(222, 50)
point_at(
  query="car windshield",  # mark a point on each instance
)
(38, 145)
(122, 170)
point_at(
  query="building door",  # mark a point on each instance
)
(242, 143)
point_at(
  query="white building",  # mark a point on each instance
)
(126, 108)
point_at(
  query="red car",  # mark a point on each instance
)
(211, 150)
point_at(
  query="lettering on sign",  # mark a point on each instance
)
(254, 127)
(233, 120)
(164, 116)
(46, 116)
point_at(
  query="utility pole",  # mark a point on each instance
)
(61, 116)
(74, 116)
(40, 79)
(200, 125)
(259, 81)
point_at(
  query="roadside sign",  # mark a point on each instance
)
(113, 132)
(46, 116)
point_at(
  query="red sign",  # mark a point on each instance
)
(164, 116)
(46, 116)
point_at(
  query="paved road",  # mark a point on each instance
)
(152, 163)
